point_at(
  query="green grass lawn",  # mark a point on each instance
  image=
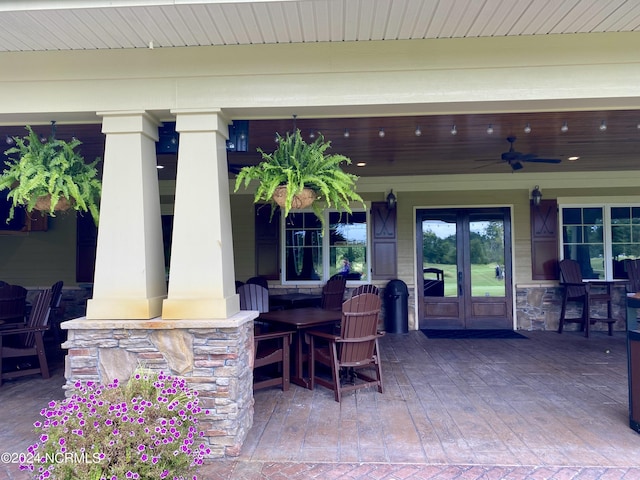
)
(483, 278)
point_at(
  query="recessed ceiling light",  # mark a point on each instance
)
(159, 167)
(361, 164)
(573, 159)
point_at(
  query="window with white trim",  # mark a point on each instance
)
(600, 238)
(310, 256)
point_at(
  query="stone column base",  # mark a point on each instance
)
(215, 357)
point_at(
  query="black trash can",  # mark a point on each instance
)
(396, 306)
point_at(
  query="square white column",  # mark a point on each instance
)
(202, 277)
(129, 280)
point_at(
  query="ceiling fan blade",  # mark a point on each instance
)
(541, 160)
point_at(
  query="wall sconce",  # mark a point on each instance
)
(391, 200)
(536, 195)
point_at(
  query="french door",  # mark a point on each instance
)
(464, 262)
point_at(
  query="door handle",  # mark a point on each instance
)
(460, 283)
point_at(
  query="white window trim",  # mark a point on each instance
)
(325, 249)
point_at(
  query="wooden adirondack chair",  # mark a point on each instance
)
(333, 293)
(368, 288)
(13, 301)
(355, 349)
(576, 290)
(27, 341)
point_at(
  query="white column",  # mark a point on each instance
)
(129, 280)
(201, 278)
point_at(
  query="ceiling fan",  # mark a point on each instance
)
(514, 158)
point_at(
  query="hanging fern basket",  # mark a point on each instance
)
(302, 200)
(43, 204)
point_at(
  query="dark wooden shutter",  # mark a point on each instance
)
(267, 242)
(544, 240)
(384, 242)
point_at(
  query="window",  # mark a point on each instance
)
(310, 256)
(600, 238)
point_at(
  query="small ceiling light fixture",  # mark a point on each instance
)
(312, 134)
(603, 126)
(527, 128)
(159, 167)
(392, 201)
(565, 127)
(573, 159)
(490, 129)
(454, 130)
(361, 164)
(381, 133)
(346, 133)
(9, 140)
(418, 131)
(536, 195)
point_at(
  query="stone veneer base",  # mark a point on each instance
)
(214, 356)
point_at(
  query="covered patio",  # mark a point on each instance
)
(548, 406)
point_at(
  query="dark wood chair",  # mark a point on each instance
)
(368, 288)
(350, 352)
(57, 309)
(333, 293)
(633, 273)
(270, 348)
(433, 282)
(576, 290)
(27, 341)
(13, 301)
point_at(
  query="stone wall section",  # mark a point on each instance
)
(538, 308)
(216, 362)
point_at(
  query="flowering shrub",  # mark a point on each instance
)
(146, 429)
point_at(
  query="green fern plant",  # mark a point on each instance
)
(299, 165)
(36, 169)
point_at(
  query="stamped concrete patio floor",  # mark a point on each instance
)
(549, 406)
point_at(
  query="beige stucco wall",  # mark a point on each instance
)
(38, 259)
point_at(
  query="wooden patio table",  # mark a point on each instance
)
(295, 300)
(301, 319)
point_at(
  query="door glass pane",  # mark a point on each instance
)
(486, 249)
(439, 253)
